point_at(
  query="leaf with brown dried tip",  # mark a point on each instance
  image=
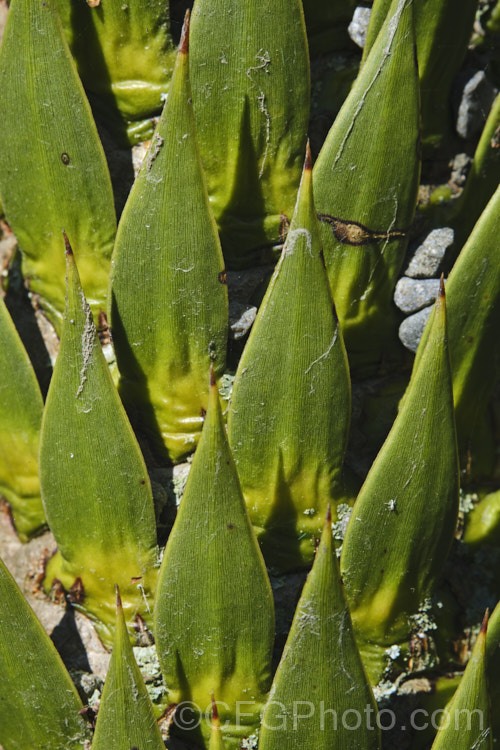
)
(251, 86)
(21, 407)
(39, 705)
(57, 178)
(214, 615)
(168, 267)
(126, 718)
(320, 673)
(216, 741)
(365, 188)
(125, 57)
(95, 487)
(466, 723)
(399, 535)
(294, 425)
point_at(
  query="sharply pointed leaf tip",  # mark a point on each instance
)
(215, 712)
(67, 246)
(484, 624)
(212, 376)
(119, 607)
(441, 286)
(184, 43)
(308, 160)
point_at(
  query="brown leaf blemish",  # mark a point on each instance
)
(76, 594)
(356, 234)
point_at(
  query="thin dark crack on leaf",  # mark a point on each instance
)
(356, 234)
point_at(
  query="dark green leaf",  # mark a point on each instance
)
(365, 189)
(290, 407)
(404, 518)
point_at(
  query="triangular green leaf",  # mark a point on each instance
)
(57, 178)
(125, 58)
(214, 620)
(473, 302)
(442, 37)
(168, 267)
(39, 705)
(466, 721)
(95, 487)
(250, 80)
(321, 681)
(365, 189)
(404, 518)
(21, 407)
(290, 406)
(126, 718)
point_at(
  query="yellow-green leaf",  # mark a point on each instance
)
(168, 293)
(320, 697)
(290, 407)
(21, 407)
(214, 619)
(442, 37)
(473, 302)
(404, 518)
(250, 79)
(365, 189)
(126, 718)
(95, 487)
(125, 58)
(466, 721)
(56, 178)
(39, 705)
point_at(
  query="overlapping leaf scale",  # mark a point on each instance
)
(250, 79)
(290, 407)
(56, 178)
(365, 189)
(404, 518)
(168, 294)
(320, 696)
(214, 619)
(95, 487)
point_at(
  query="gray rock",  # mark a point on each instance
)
(359, 26)
(429, 255)
(411, 329)
(477, 97)
(460, 168)
(412, 295)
